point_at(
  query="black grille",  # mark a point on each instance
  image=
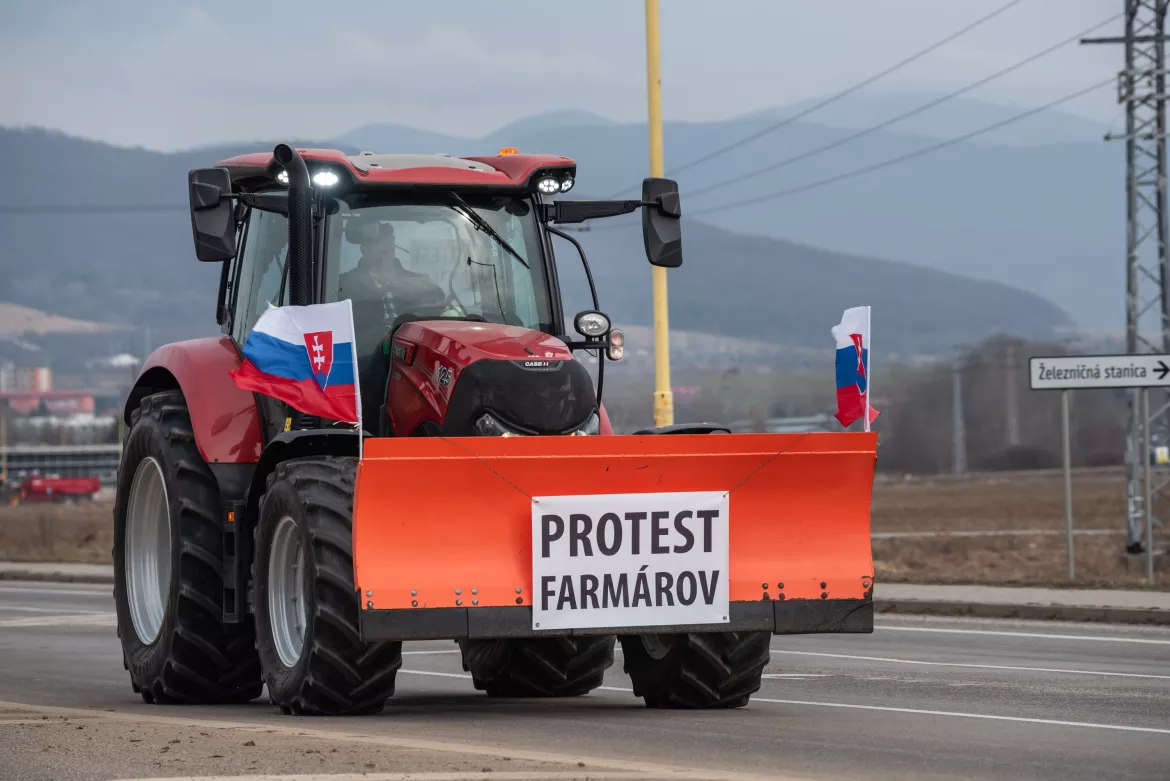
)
(533, 397)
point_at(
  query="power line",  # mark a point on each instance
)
(835, 97)
(85, 208)
(905, 115)
(903, 158)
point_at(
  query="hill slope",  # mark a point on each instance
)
(1037, 205)
(138, 267)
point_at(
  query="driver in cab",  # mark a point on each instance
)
(380, 275)
(381, 289)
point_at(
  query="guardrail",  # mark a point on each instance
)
(99, 461)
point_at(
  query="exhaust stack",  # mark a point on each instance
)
(300, 224)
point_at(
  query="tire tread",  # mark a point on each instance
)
(541, 667)
(701, 670)
(206, 661)
(344, 675)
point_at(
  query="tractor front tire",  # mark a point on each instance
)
(543, 667)
(696, 670)
(307, 606)
(168, 568)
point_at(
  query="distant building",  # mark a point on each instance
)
(25, 378)
(63, 403)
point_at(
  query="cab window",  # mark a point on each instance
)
(261, 279)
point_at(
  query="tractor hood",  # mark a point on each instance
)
(463, 343)
(448, 374)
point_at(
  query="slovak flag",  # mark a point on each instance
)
(305, 357)
(852, 336)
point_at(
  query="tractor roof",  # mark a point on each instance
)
(505, 171)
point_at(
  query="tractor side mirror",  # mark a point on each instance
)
(213, 218)
(661, 222)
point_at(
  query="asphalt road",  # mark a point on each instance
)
(920, 698)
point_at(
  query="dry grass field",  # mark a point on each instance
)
(57, 532)
(991, 502)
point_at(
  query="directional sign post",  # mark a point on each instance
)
(1070, 372)
(1066, 372)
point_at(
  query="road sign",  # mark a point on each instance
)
(1065, 372)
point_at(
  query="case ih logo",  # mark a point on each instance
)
(539, 366)
(320, 347)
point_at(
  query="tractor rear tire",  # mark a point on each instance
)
(696, 670)
(543, 667)
(170, 588)
(304, 558)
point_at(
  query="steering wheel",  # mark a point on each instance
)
(452, 306)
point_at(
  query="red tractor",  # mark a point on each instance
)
(491, 504)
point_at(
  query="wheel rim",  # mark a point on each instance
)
(658, 646)
(286, 592)
(148, 550)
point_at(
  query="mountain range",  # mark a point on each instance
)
(948, 249)
(1037, 204)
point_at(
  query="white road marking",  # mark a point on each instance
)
(974, 666)
(97, 592)
(22, 609)
(956, 714)
(580, 775)
(436, 674)
(1000, 633)
(74, 619)
(793, 676)
(888, 709)
(595, 765)
(429, 653)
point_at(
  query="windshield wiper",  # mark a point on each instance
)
(483, 225)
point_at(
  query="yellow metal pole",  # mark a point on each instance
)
(3, 450)
(663, 398)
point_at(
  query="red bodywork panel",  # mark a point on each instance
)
(46, 489)
(436, 348)
(224, 418)
(510, 170)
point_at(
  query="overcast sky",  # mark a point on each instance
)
(171, 74)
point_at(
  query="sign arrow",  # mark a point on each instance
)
(1162, 370)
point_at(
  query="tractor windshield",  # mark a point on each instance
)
(393, 258)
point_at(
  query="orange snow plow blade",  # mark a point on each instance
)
(447, 523)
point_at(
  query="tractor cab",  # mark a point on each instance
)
(423, 246)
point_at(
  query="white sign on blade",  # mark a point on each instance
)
(617, 560)
(1065, 372)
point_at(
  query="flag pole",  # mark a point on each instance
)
(357, 385)
(868, 358)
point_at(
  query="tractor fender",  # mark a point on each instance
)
(296, 444)
(224, 417)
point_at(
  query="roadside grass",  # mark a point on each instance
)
(82, 532)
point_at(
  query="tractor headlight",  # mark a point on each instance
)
(591, 428)
(567, 184)
(548, 185)
(325, 178)
(488, 426)
(590, 324)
